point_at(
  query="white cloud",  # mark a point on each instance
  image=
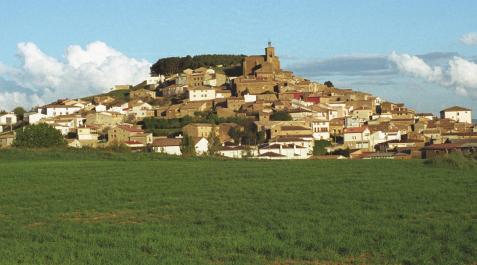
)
(91, 70)
(460, 74)
(416, 66)
(469, 38)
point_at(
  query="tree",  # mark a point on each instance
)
(38, 136)
(281, 116)
(214, 141)
(236, 134)
(319, 148)
(20, 112)
(172, 65)
(188, 146)
(329, 84)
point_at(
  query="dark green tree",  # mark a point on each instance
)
(236, 134)
(329, 84)
(188, 146)
(319, 148)
(172, 65)
(214, 141)
(20, 112)
(38, 136)
(281, 116)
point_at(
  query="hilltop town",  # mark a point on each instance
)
(265, 112)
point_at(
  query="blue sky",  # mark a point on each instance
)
(308, 35)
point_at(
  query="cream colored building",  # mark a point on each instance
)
(201, 93)
(458, 114)
(127, 133)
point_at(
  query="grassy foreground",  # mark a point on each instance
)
(105, 208)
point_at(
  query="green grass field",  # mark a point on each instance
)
(140, 209)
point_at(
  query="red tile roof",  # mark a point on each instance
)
(456, 108)
(162, 142)
(355, 130)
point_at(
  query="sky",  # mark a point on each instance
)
(422, 53)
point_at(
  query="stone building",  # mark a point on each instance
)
(263, 65)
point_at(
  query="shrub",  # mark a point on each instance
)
(319, 148)
(38, 136)
(281, 116)
(453, 160)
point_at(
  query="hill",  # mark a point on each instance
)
(107, 208)
(172, 65)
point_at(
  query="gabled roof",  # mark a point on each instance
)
(456, 108)
(163, 142)
(355, 130)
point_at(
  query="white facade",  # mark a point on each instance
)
(353, 122)
(340, 108)
(201, 93)
(64, 129)
(250, 98)
(100, 108)
(8, 119)
(86, 134)
(53, 111)
(321, 130)
(117, 109)
(202, 146)
(170, 150)
(237, 152)
(458, 115)
(155, 80)
(378, 137)
(287, 151)
(357, 138)
(34, 117)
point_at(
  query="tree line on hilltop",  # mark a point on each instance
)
(172, 65)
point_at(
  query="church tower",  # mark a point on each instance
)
(269, 52)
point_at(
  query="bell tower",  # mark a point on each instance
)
(269, 52)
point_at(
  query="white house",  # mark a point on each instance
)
(321, 129)
(171, 146)
(33, 117)
(378, 137)
(201, 93)
(155, 80)
(236, 151)
(458, 114)
(58, 110)
(357, 137)
(201, 146)
(248, 98)
(341, 109)
(87, 134)
(140, 110)
(8, 118)
(117, 109)
(64, 124)
(284, 150)
(100, 108)
(64, 129)
(353, 122)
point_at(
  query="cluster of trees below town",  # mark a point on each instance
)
(246, 133)
(172, 65)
